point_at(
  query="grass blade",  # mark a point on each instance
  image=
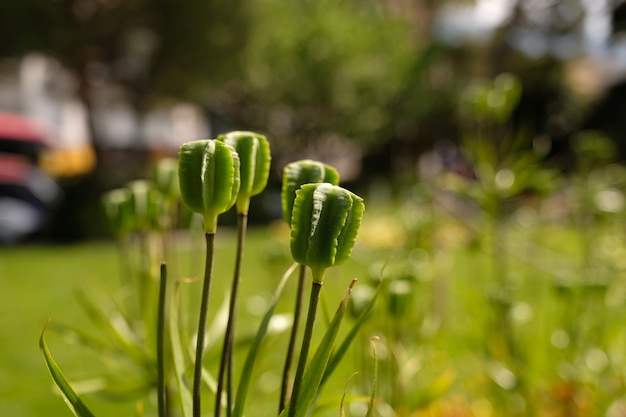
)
(160, 344)
(178, 358)
(342, 410)
(246, 373)
(107, 317)
(318, 364)
(72, 399)
(343, 348)
(370, 405)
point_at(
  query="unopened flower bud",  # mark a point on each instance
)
(118, 211)
(166, 178)
(254, 164)
(208, 172)
(324, 226)
(302, 172)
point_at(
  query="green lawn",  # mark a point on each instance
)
(565, 318)
(37, 285)
(40, 282)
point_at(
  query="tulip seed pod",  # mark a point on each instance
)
(208, 172)
(118, 211)
(146, 204)
(302, 172)
(400, 296)
(254, 164)
(166, 178)
(324, 226)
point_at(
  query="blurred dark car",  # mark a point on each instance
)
(27, 193)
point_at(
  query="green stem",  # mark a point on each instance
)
(162, 391)
(204, 308)
(144, 273)
(306, 344)
(292, 339)
(125, 249)
(226, 361)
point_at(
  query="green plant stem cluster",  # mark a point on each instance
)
(214, 175)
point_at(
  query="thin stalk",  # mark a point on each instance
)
(292, 339)
(124, 251)
(204, 308)
(226, 361)
(144, 271)
(306, 344)
(162, 390)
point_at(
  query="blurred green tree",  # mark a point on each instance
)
(327, 70)
(153, 48)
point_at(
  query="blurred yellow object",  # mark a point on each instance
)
(68, 162)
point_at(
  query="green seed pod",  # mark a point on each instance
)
(118, 211)
(146, 204)
(504, 96)
(324, 226)
(302, 172)
(399, 297)
(361, 296)
(208, 172)
(166, 178)
(254, 164)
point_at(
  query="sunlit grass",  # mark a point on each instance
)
(39, 283)
(444, 334)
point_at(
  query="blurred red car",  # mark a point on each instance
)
(27, 194)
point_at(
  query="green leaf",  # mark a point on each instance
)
(72, 399)
(316, 368)
(83, 338)
(246, 373)
(342, 409)
(254, 164)
(370, 405)
(299, 173)
(339, 353)
(114, 326)
(178, 359)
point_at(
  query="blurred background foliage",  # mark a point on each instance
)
(366, 86)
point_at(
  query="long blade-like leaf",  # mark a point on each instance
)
(317, 366)
(370, 404)
(105, 315)
(246, 373)
(72, 399)
(178, 358)
(343, 348)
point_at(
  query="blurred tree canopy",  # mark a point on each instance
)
(380, 77)
(319, 68)
(296, 69)
(372, 72)
(154, 48)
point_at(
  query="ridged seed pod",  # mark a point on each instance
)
(302, 172)
(146, 204)
(254, 164)
(324, 226)
(118, 211)
(208, 172)
(166, 178)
